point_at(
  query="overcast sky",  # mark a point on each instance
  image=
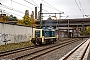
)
(69, 7)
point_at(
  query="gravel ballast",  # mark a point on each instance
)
(57, 54)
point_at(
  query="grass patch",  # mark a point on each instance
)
(14, 46)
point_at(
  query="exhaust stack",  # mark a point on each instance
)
(35, 13)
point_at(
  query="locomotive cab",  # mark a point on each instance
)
(43, 36)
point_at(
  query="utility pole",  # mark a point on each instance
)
(58, 25)
(68, 28)
(40, 15)
(83, 29)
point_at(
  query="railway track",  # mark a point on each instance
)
(32, 55)
(78, 53)
(16, 50)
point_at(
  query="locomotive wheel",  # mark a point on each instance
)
(36, 42)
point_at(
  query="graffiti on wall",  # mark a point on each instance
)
(8, 38)
(20, 38)
(5, 38)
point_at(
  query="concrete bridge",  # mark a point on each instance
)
(65, 22)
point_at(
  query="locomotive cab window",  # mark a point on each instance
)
(37, 33)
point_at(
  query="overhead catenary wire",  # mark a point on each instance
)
(22, 4)
(52, 6)
(54, 9)
(34, 4)
(27, 6)
(29, 2)
(8, 13)
(38, 6)
(12, 13)
(13, 9)
(79, 8)
(47, 6)
(45, 10)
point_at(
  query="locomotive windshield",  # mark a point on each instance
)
(37, 33)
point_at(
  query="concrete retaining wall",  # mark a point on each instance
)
(14, 33)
